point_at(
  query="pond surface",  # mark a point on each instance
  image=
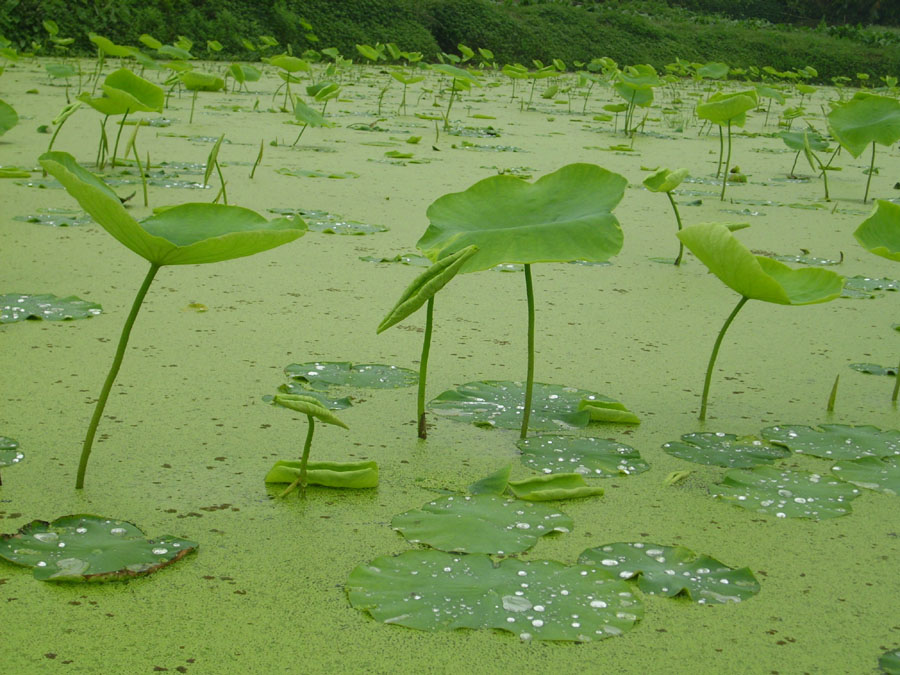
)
(188, 438)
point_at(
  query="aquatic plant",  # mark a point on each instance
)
(196, 82)
(665, 180)
(10, 455)
(727, 110)
(635, 84)
(461, 80)
(808, 142)
(563, 216)
(754, 278)
(216, 233)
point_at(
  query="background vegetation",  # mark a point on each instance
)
(629, 31)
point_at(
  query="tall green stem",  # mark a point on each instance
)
(304, 459)
(423, 367)
(111, 376)
(118, 136)
(678, 220)
(871, 170)
(896, 386)
(727, 164)
(715, 354)
(721, 150)
(529, 378)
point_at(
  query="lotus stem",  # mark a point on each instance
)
(449, 106)
(111, 376)
(423, 367)
(301, 479)
(118, 136)
(297, 140)
(529, 378)
(896, 393)
(727, 164)
(794, 165)
(715, 354)
(833, 396)
(193, 103)
(677, 220)
(102, 145)
(871, 170)
(221, 180)
(258, 160)
(137, 160)
(721, 150)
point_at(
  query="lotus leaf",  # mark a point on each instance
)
(306, 115)
(865, 119)
(18, 307)
(9, 452)
(8, 117)
(553, 487)
(109, 47)
(456, 73)
(540, 600)
(889, 662)
(412, 259)
(880, 232)
(289, 63)
(194, 80)
(728, 450)
(674, 570)
(866, 287)
(758, 277)
(309, 406)
(871, 473)
(565, 215)
(330, 474)
(722, 108)
(426, 285)
(125, 92)
(587, 456)
(498, 404)
(798, 140)
(90, 548)
(836, 441)
(874, 369)
(785, 493)
(494, 484)
(331, 403)
(482, 523)
(603, 409)
(713, 70)
(665, 180)
(217, 232)
(322, 376)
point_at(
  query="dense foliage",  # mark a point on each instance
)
(629, 31)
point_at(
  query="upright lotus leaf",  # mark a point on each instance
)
(635, 84)
(880, 232)
(713, 71)
(728, 450)
(90, 548)
(124, 92)
(308, 406)
(871, 473)
(109, 47)
(456, 73)
(194, 80)
(553, 487)
(728, 108)
(540, 600)
(784, 493)
(182, 235)
(798, 140)
(836, 441)
(308, 116)
(291, 64)
(482, 523)
(594, 457)
(665, 180)
(674, 570)
(19, 307)
(8, 117)
(755, 278)
(325, 375)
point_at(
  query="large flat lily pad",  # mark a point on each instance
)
(721, 449)
(21, 306)
(836, 441)
(597, 457)
(324, 375)
(541, 600)
(90, 548)
(871, 473)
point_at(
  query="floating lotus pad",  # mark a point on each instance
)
(836, 441)
(866, 287)
(482, 523)
(540, 600)
(674, 570)
(728, 450)
(57, 218)
(9, 452)
(550, 453)
(874, 369)
(19, 307)
(90, 548)
(330, 223)
(889, 662)
(785, 493)
(329, 474)
(499, 404)
(871, 473)
(324, 375)
(413, 259)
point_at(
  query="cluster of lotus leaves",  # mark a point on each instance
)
(758, 277)
(880, 232)
(125, 92)
(182, 235)
(563, 216)
(865, 119)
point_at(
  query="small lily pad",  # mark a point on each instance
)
(90, 548)
(328, 402)
(871, 473)
(330, 223)
(19, 307)
(499, 404)
(785, 493)
(322, 376)
(313, 173)
(540, 600)
(865, 287)
(674, 570)
(9, 452)
(57, 217)
(550, 453)
(553, 487)
(836, 441)
(413, 259)
(330, 474)
(874, 369)
(728, 450)
(889, 662)
(482, 523)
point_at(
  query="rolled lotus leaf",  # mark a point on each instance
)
(865, 119)
(553, 487)
(329, 474)
(758, 277)
(217, 232)
(426, 285)
(880, 232)
(308, 406)
(665, 180)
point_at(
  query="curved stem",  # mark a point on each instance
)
(111, 376)
(727, 164)
(721, 151)
(423, 367)
(304, 459)
(193, 103)
(871, 169)
(529, 378)
(678, 220)
(118, 136)
(896, 386)
(715, 353)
